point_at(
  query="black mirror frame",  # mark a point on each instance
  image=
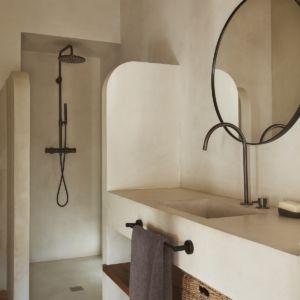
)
(294, 118)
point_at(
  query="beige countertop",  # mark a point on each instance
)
(265, 227)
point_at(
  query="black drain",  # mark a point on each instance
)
(76, 289)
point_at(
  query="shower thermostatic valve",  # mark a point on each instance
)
(60, 150)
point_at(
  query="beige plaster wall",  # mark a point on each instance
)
(188, 32)
(142, 112)
(73, 231)
(246, 54)
(3, 187)
(285, 59)
(89, 19)
(18, 185)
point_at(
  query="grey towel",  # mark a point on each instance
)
(151, 266)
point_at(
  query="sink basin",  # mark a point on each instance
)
(211, 209)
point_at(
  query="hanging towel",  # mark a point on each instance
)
(151, 266)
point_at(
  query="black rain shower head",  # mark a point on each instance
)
(71, 59)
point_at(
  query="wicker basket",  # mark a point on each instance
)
(194, 289)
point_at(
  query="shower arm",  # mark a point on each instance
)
(61, 122)
(62, 108)
(65, 49)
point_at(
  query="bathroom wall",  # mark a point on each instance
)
(73, 231)
(93, 20)
(286, 62)
(142, 127)
(3, 187)
(18, 185)
(188, 33)
(251, 26)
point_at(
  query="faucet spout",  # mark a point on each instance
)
(245, 154)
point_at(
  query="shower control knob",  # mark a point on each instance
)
(262, 203)
(266, 203)
(60, 150)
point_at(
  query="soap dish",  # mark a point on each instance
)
(288, 214)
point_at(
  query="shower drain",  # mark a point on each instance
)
(76, 288)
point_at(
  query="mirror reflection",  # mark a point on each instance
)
(257, 71)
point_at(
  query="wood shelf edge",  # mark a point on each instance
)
(119, 274)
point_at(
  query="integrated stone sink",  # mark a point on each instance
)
(211, 209)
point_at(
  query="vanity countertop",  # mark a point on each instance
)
(266, 227)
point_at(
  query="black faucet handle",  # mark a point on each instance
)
(262, 203)
(259, 202)
(137, 223)
(266, 203)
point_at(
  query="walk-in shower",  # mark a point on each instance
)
(62, 150)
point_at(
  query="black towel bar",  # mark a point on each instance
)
(188, 246)
(138, 222)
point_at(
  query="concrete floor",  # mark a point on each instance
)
(53, 280)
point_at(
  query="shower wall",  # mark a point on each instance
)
(73, 231)
(3, 186)
(15, 186)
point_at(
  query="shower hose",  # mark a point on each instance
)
(62, 181)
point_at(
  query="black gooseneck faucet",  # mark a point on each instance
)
(245, 155)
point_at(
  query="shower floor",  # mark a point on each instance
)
(74, 279)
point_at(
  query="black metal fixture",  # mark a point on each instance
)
(137, 223)
(282, 126)
(245, 155)
(188, 245)
(62, 148)
(287, 127)
(262, 203)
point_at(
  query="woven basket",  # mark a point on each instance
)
(194, 289)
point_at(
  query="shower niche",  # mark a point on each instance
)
(64, 96)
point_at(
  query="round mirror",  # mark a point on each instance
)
(256, 69)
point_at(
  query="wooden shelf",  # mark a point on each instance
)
(119, 274)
